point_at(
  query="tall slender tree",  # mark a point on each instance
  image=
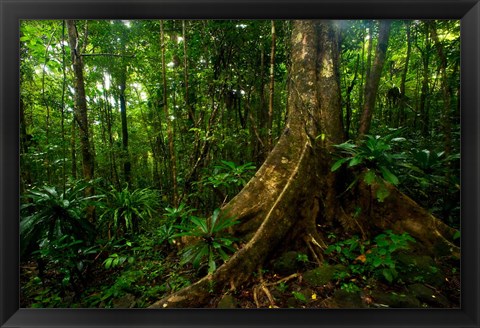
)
(80, 109)
(170, 134)
(373, 77)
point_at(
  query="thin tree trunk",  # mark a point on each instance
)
(190, 109)
(62, 123)
(348, 100)
(80, 112)
(261, 151)
(123, 113)
(403, 97)
(73, 148)
(47, 107)
(373, 79)
(361, 88)
(369, 51)
(171, 148)
(26, 177)
(447, 97)
(271, 88)
(424, 108)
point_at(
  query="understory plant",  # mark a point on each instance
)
(54, 228)
(229, 177)
(209, 241)
(370, 258)
(375, 155)
(124, 210)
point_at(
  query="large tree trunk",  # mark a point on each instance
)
(294, 189)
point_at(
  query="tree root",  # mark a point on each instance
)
(262, 287)
(317, 257)
(279, 219)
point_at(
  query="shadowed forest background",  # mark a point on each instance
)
(240, 164)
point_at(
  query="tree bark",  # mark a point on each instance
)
(348, 100)
(80, 112)
(188, 106)
(123, 114)
(292, 191)
(271, 215)
(171, 148)
(403, 98)
(271, 87)
(446, 93)
(425, 55)
(373, 78)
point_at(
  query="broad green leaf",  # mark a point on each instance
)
(377, 261)
(201, 223)
(108, 263)
(355, 161)
(388, 176)
(387, 274)
(338, 163)
(456, 235)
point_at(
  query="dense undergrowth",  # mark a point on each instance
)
(140, 248)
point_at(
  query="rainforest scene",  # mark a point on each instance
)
(240, 164)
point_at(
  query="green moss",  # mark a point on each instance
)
(319, 276)
(227, 302)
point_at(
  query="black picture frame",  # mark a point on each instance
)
(12, 11)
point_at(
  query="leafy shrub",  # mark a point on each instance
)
(178, 215)
(211, 242)
(229, 177)
(371, 258)
(49, 214)
(375, 154)
(115, 260)
(53, 229)
(124, 209)
(433, 179)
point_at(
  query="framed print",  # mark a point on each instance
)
(247, 164)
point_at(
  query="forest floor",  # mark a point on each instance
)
(288, 281)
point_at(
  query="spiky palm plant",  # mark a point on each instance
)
(125, 209)
(48, 214)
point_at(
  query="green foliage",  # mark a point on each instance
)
(178, 215)
(210, 240)
(375, 154)
(299, 296)
(47, 298)
(229, 176)
(302, 258)
(47, 215)
(429, 167)
(124, 209)
(165, 233)
(115, 260)
(371, 258)
(350, 287)
(225, 95)
(282, 287)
